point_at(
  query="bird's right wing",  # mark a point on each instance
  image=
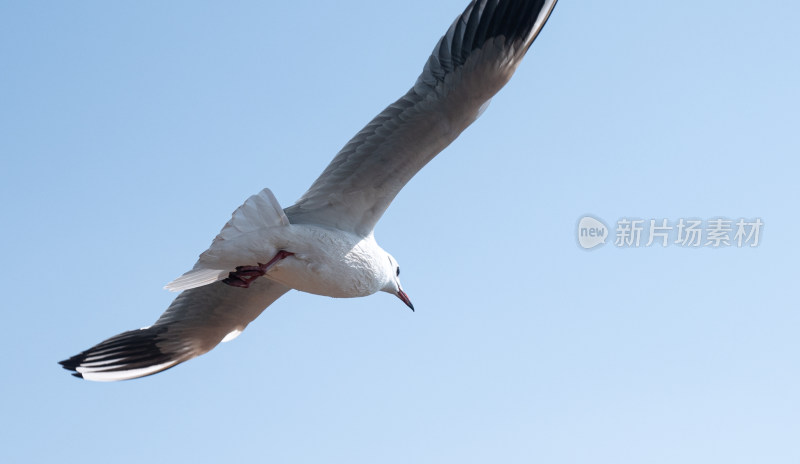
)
(470, 64)
(195, 322)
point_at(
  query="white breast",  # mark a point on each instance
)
(330, 262)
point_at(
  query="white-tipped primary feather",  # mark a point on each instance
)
(99, 375)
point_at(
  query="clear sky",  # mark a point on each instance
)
(131, 131)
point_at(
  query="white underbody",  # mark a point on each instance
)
(328, 262)
(324, 261)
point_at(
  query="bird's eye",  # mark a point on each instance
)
(398, 271)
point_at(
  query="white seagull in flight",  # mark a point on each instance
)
(324, 243)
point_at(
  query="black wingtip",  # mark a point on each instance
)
(483, 21)
(131, 354)
(71, 363)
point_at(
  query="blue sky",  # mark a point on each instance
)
(132, 131)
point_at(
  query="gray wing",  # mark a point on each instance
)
(195, 322)
(469, 65)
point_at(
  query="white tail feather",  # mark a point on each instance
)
(196, 278)
(258, 212)
(233, 246)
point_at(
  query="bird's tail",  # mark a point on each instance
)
(236, 242)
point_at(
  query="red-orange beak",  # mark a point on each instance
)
(402, 295)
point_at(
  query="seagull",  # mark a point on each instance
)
(324, 243)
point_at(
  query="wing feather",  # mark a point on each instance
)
(195, 322)
(471, 63)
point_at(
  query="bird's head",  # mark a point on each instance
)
(392, 285)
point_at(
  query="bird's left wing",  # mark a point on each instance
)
(195, 322)
(474, 59)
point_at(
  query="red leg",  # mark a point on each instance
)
(245, 275)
